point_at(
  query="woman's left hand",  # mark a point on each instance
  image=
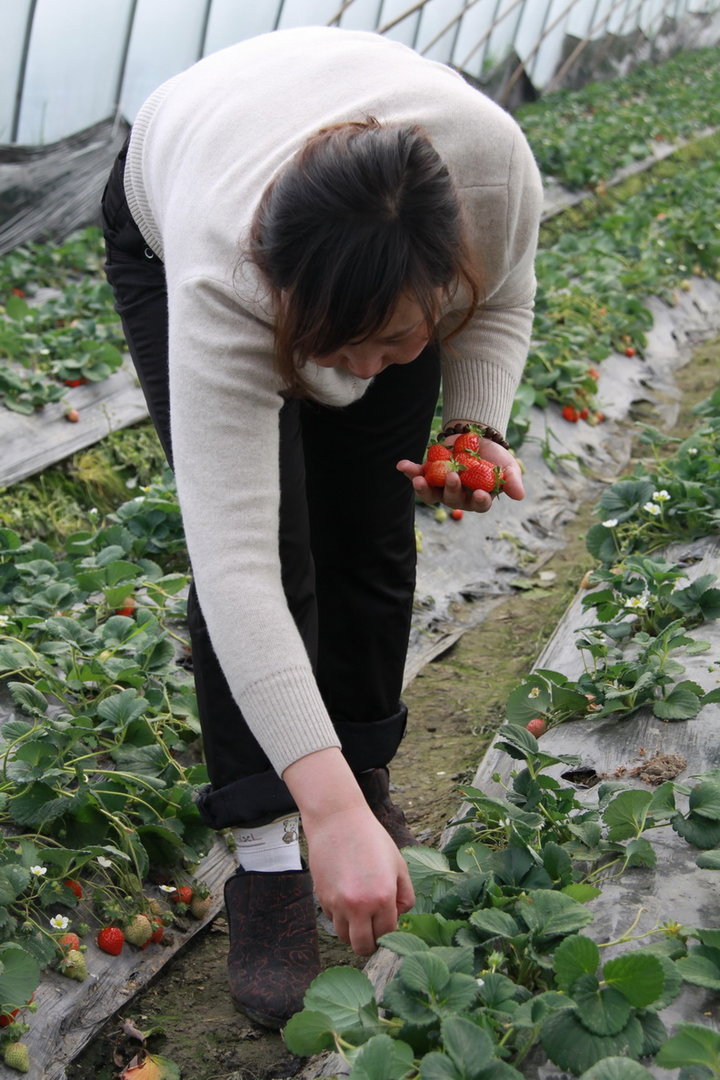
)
(454, 495)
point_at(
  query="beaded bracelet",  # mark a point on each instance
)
(483, 430)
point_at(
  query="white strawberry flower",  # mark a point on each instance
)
(59, 922)
(637, 603)
(535, 692)
(610, 523)
(167, 888)
(661, 496)
(104, 862)
(38, 871)
(652, 508)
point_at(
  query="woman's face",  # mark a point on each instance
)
(400, 341)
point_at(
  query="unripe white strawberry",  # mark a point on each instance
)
(74, 965)
(139, 930)
(17, 1056)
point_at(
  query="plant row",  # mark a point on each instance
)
(494, 966)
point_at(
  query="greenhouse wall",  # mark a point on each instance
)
(71, 63)
(75, 72)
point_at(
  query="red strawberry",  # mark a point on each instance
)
(74, 887)
(127, 606)
(629, 351)
(570, 413)
(7, 1018)
(537, 726)
(435, 472)
(18, 292)
(72, 415)
(69, 941)
(593, 373)
(456, 515)
(158, 930)
(182, 895)
(111, 940)
(584, 414)
(74, 382)
(481, 475)
(438, 452)
(467, 443)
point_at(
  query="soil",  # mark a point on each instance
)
(456, 703)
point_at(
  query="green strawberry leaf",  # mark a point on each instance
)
(308, 1033)
(19, 976)
(438, 1066)
(569, 1044)
(701, 967)
(709, 860)
(700, 831)
(339, 993)
(576, 955)
(617, 1068)
(470, 1048)
(654, 1031)
(550, 914)
(602, 1010)
(626, 815)
(403, 944)
(680, 704)
(381, 1058)
(638, 977)
(492, 922)
(693, 1044)
(705, 800)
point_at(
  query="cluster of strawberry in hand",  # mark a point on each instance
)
(463, 458)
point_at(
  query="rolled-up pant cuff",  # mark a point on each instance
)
(264, 797)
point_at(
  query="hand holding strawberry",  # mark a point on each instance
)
(489, 469)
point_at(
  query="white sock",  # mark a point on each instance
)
(269, 848)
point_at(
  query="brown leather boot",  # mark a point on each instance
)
(274, 953)
(375, 786)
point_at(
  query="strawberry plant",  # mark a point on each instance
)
(494, 960)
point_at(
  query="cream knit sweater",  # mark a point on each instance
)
(203, 148)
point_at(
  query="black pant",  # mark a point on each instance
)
(347, 543)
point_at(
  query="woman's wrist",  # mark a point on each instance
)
(462, 427)
(322, 784)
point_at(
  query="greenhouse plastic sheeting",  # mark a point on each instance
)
(48, 191)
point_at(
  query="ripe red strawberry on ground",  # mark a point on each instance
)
(127, 607)
(183, 894)
(111, 940)
(537, 726)
(74, 887)
(456, 515)
(570, 413)
(69, 941)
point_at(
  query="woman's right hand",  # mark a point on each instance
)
(360, 878)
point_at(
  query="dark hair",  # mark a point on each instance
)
(363, 213)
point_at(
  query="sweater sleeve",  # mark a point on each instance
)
(225, 405)
(482, 364)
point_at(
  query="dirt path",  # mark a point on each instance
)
(456, 703)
